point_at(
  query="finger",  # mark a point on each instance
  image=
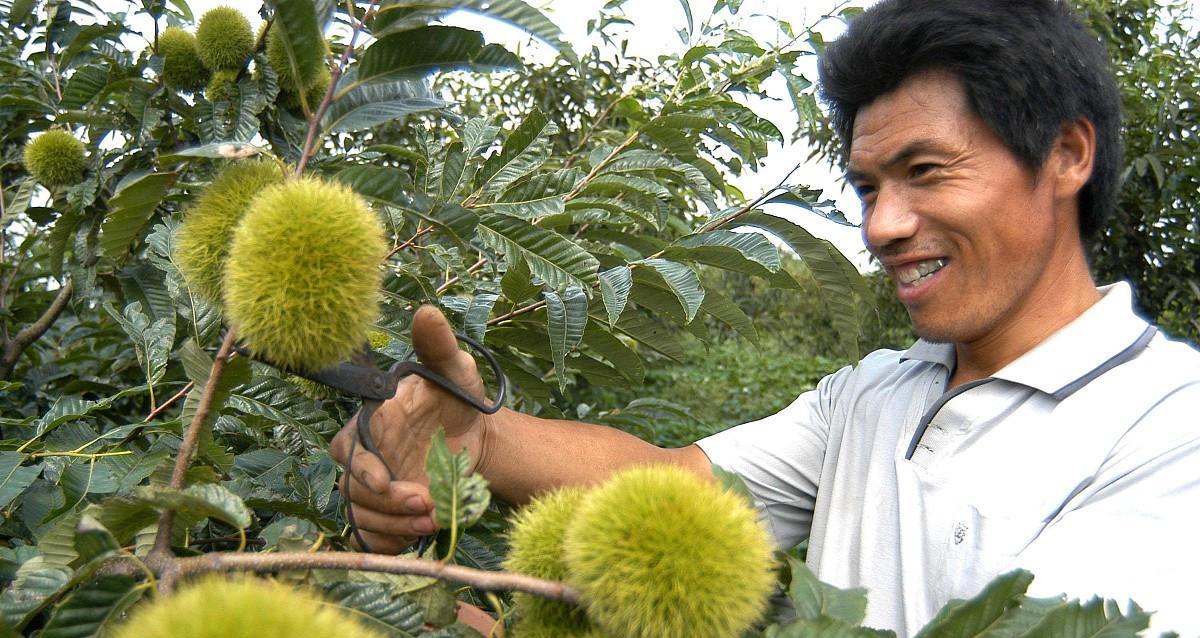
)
(382, 543)
(411, 527)
(371, 473)
(399, 498)
(339, 448)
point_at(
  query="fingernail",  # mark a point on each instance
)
(423, 526)
(415, 503)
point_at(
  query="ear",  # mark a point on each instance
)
(1072, 157)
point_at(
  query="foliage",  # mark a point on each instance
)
(1153, 239)
(563, 220)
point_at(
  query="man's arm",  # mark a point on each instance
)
(520, 455)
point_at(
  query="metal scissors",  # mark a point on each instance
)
(361, 378)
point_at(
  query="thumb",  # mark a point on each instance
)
(435, 344)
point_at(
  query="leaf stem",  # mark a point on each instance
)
(480, 579)
(517, 313)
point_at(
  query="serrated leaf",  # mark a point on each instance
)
(93, 540)
(806, 198)
(727, 312)
(459, 497)
(814, 599)
(301, 425)
(625, 211)
(418, 52)
(19, 203)
(837, 280)
(555, 259)
(1094, 619)
(476, 314)
(129, 210)
(85, 84)
(514, 12)
(299, 33)
(34, 587)
(393, 187)
(14, 477)
(615, 284)
(566, 319)
(206, 500)
(654, 336)
(748, 253)
(151, 341)
(215, 150)
(524, 150)
(613, 184)
(683, 282)
(733, 483)
(974, 616)
(638, 160)
(94, 607)
(623, 359)
(378, 606)
(363, 106)
(825, 627)
(454, 166)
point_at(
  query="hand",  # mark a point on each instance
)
(392, 514)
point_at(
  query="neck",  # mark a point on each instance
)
(1062, 295)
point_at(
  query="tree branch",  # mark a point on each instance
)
(310, 139)
(160, 557)
(14, 348)
(477, 578)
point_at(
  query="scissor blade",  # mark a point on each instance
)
(368, 383)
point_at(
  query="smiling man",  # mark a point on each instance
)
(1038, 423)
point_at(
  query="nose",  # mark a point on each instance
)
(888, 219)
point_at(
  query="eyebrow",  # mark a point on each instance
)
(915, 147)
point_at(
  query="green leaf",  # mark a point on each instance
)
(747, 253)
(85, 84)
(733, 483)
(517, 282)
(806, 198)
(555, 259)
(459, 497)
(394, 188)
(151, 342)
(524, 150)
(19, 203)
(94, 608)
(682, 281)
(477, 313)
(93, 540)
(454, 168)
(975, 616)
(566, 319)
(378, 606)
(814, 599)
(514, 12)
(130, 208)
(540, 196)
(299, 33)
(620, 184)
(365, 106)
(624, 360)
(825, 627)
(14, 477)
(206, 500)
(33, 590)
(1094, 619)
(638, 160)
(421, 51)
(838, 280)
(646, 332)
(615, 284)
(302, 426)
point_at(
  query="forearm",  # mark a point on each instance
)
(522, 455)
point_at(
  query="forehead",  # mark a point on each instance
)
(931, 106)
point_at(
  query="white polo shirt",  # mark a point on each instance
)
(1079, 461)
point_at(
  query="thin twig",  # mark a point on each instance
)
(517, 313)
(169, 402)
(31, 333)
(599, 167)
(160, 556)
(310, 139)
(421, 232)
(455, 279)
(480, 579)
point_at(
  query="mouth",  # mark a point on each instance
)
(913, 274)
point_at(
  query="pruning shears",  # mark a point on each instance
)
(361, 378)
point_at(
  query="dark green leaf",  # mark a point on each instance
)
(682, 281)
(524, 150)
(365, 106)
(566, 318)
(14, 477)
(421, 51)
(378, 606)
(517, 282)
(94, 608)
(615, 285)
(206, 499)
(555, 259)
(748, 253)
(814, 599)
(129, 210)
(1094, 619)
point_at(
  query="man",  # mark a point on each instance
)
(1038, 423)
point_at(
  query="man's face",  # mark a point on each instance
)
(964, 229)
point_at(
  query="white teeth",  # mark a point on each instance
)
(910, 275)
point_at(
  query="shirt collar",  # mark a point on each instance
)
(1092, 343)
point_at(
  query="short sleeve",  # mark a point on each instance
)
(780, 459)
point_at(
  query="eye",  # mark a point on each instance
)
(919, 170)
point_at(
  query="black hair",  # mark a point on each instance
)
(1028, 67)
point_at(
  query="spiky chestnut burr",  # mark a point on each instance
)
(302, 281)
